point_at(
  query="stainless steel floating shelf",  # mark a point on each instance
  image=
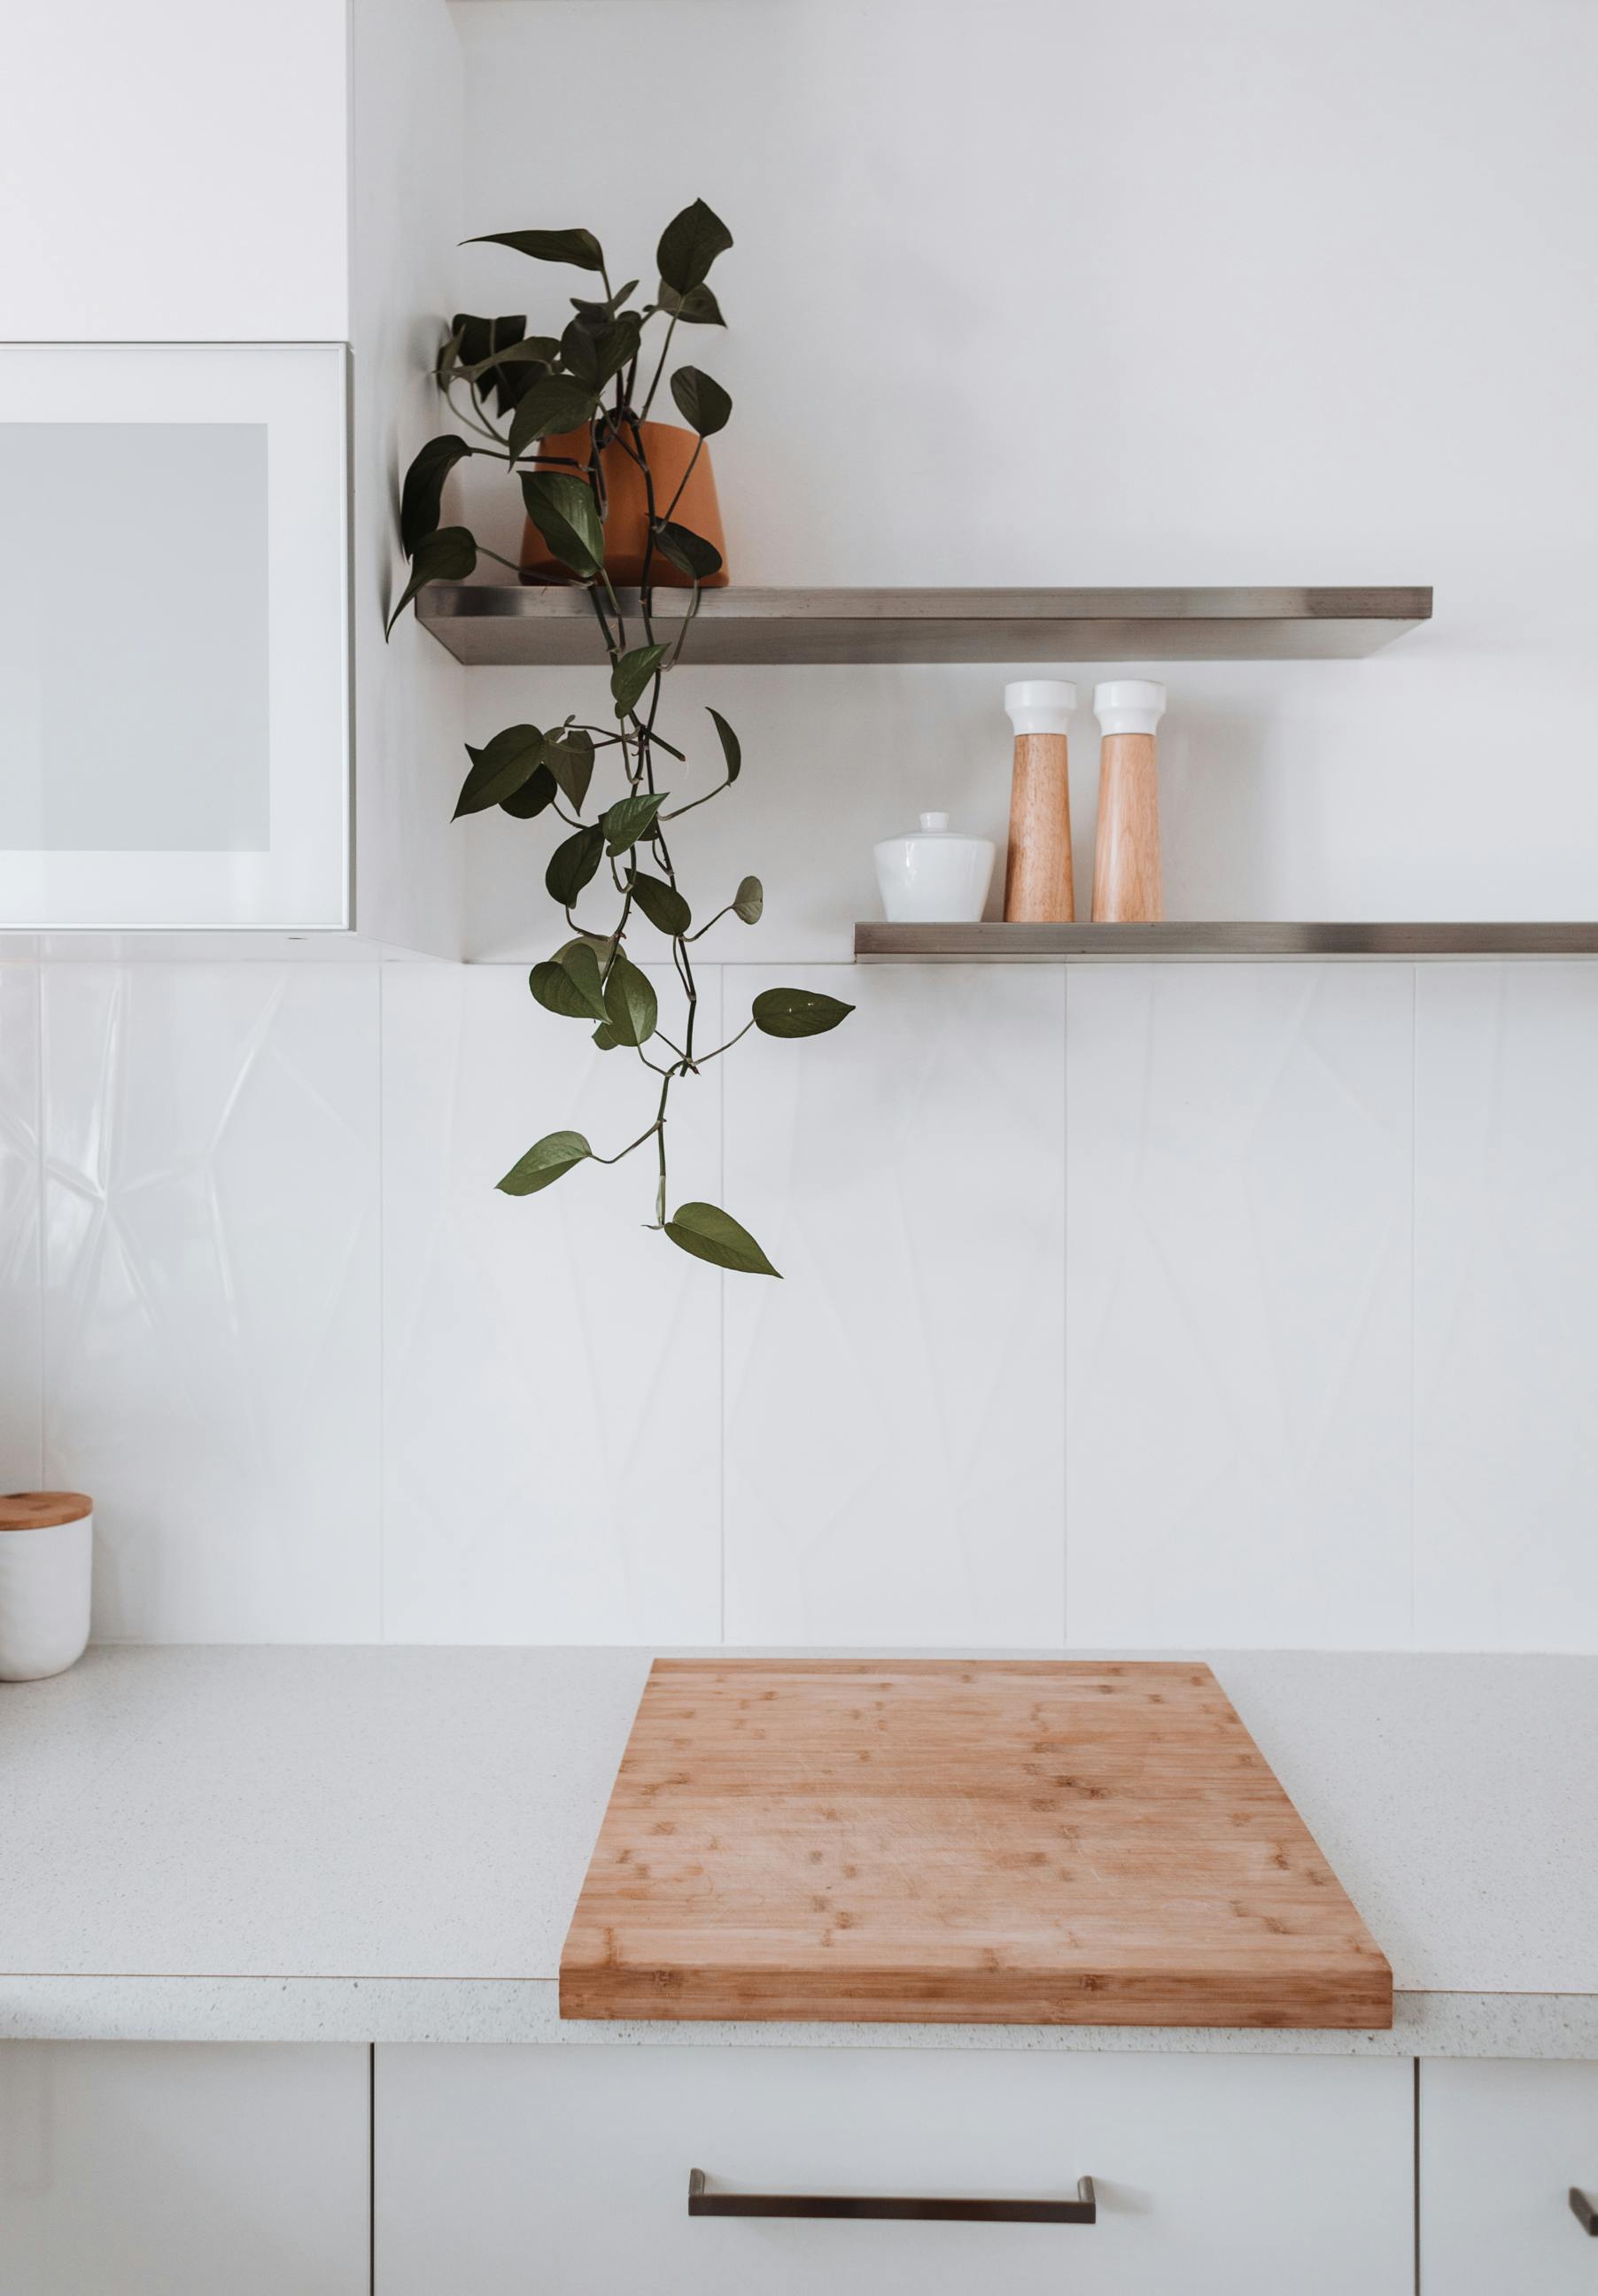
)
(1063, 944)
(510, 623)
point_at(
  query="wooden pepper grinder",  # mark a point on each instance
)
(1126, 861)
(1038, 876)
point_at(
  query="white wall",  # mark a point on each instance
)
(1168, 1305)
(1181, 1304)
(174, 172)
(409, 697)
(1119, 291)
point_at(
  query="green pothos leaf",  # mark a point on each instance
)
(688, 552)
(711, 1233)
(572, 864)
(595, 312)
(630, 1005)
(546, 1160)
(499, 769)
(553, 403)
(449, 556)
(535, 793)
(421, 496)
(731, 749)
(631, 818)
(580, 247)
(749, 900)
(797, 1012)
(569, 754)
(701, 402)
(497, 355)
(632, 674)
(697, 308)
(661, 904)
(569, 983)
(688, 245)
(595, 347)
(564, 510)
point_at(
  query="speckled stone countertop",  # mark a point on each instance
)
(386, 1844)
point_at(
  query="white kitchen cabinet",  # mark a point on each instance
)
(1501, 2144)
(174, 637)
(231, 232)
(175, 170)
(564, 2170)
(183, 2170)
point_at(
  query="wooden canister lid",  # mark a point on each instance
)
(36, 1510)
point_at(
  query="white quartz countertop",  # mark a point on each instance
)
(387, 1844)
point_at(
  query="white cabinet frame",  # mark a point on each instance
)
(300, 393)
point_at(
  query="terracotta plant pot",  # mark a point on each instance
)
(669, 451)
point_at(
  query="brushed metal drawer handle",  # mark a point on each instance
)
(1083, 2210)
(1583, 2211)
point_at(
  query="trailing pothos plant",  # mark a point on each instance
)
(513, 392)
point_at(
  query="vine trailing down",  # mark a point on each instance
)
(521, 390)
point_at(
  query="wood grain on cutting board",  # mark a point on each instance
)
(1045, 1841)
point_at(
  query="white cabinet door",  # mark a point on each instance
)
(563, 2171)
(174, 170)
(1502, 2145)
(174, 669)
(178, 2170)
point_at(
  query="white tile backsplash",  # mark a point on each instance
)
(554, 1373)
(211, 1293)
(893, 1453)
(1238, 1244)
(1507, 1307)
(1102, 1299)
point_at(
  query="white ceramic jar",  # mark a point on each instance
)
(46, 1554)
(936, 876)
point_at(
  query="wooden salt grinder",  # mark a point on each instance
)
(1126, 861)
(1037, 875)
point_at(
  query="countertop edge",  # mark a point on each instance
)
(441, 2011)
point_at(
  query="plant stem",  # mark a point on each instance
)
(730, 906)
(683, 481)
(661, 1137)
(677, 813)
(471, 420)
(627, 1150)
(727, 1047)
(659, 371)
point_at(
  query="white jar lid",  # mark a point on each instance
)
(1040, 705)
(933, 829)
(1129, 705)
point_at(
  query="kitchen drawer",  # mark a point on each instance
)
(1501, 2146)
(183, 2170)
(563, 2171)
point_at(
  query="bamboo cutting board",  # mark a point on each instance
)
(1008, 1843)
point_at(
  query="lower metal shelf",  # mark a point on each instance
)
(1063, 944)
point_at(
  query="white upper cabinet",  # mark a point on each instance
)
(229, 245)
(175, 170)
(174, 644)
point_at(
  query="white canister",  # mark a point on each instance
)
(935, 877)
(46, 1556)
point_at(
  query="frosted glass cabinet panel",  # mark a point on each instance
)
(174, 687)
